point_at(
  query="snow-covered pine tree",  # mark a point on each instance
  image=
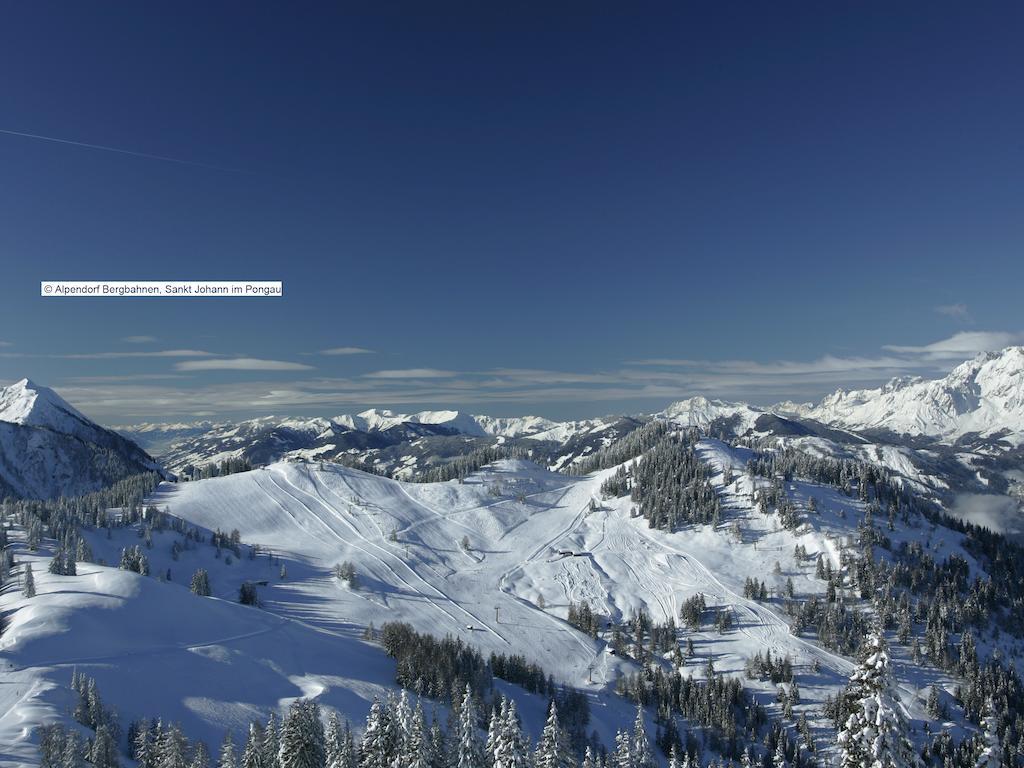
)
(493, 744)
(623, 755)
(437, 746)
(417, 753)
(991, 753)
(200, 584)
(640, 751)
(72, 756)
(375, 749)
(402, 720)
(252, 755)
(302, 736)
(103, 753)
(226, 759)
(142, 747)
(200, 756)
(673, 758)
(57, 563)
(332, 741)
(171, 749)
(515, 747)
(874, 734)
(271, 743)
(779, 758)
(469, 752)
(28, 589)
(553, 750)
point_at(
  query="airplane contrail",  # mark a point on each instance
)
(120, 151)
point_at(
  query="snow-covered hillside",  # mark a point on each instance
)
(496, 560)
(49, 449)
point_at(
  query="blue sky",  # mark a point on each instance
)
(514, 209)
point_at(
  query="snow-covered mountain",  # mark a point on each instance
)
(982, 398)
(49, 449)
(388, 440)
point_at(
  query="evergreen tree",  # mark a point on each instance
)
(142, 747)
(437, 746)
(200, 584)
(417, 752)
(469, 752)
(402, 728)
(779, 758)
(375, 748)
(171, 749)
(553, 749)
(72, 756)
(493, 744)
(640, 751)
(332, 741)
(227, 753)
(514, 751)
(252, 755)
(623, 755)
(991, 753)
(271, 743)
(302, 736)
(874, 733)
(200, 756)
(103, 753)
(29, 587)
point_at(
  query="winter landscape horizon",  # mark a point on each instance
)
(525, 386)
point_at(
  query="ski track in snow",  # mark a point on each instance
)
(375, 557)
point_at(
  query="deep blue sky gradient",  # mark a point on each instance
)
(473, 186)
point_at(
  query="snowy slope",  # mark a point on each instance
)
(153, 647)
(531, 534)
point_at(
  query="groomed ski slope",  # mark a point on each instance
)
(406, 542)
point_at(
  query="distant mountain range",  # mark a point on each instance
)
(47, 448)
(980, 403)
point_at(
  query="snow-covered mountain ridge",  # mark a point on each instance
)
(49, 449)
(983, 397)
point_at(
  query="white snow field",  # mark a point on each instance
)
(157, 650)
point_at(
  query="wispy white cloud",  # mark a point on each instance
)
(412, 373)
(112, 355)
(240, 364)
(956, 311)
(117, 355)
(139, 339)
(821, 366)
(6, 344)
(346, 351)
(961, 345)
(126, 377)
